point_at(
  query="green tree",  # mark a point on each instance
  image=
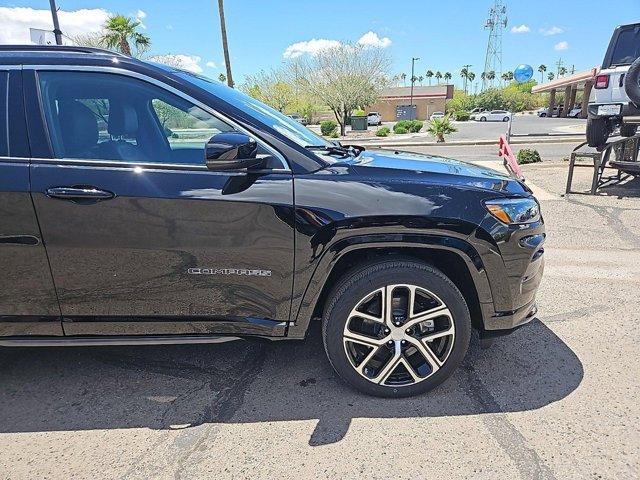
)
(439, 127)
(447, 76)
(271, 88)
(438, 76)
(222, 77)
(542, 68)
(562, 71)
(464, 73)
(121, 31)
(420, 79)
(429, 76)
(551, 76)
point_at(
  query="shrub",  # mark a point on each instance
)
(327, 127)
(528, 156)
(334, 134)
(358, 113)
(439, 127)
(383, 132)
(400, 130)
(462, 115)
(413, 126)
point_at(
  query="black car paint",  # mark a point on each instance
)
(298, 224)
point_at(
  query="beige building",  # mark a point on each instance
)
(394, 102)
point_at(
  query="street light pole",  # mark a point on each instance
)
(56, 24)
(413, 62)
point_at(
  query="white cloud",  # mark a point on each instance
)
(190, 63)
(520, 29)
(551, 31)
(312, 47)
(561, 46)
(371, 39)
(211, 64)
(16, 21)
(140, 16)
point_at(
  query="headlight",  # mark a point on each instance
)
(514, 210)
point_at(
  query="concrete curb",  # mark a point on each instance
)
(514, 141)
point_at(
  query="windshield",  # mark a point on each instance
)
(265, 114)
(627, 47)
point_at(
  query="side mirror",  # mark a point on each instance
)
(231, 151)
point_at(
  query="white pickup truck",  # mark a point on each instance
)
(615, 97)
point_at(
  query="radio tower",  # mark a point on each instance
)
(496, 23)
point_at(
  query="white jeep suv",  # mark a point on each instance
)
(615, 97)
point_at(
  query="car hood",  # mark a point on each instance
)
(405, 166)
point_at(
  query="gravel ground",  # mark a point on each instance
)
(555, 400)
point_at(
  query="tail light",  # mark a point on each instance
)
(602, 81)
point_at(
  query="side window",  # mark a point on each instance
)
(187, 128)
(4, 125)
(105, 116)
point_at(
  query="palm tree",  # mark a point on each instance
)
(225, 44)
(403, 77)
(447, 76)
(505, 77)
(551, 76)
(439, 127)
(222, 77)
(562, 71)
(429, 74)
(491, 75)
(542, 68)
(438, 76)
(119, 31)
(464, 73)
(420, 79)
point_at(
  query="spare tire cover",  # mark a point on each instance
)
(632, 82)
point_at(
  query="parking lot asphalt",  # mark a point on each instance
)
(557, 399)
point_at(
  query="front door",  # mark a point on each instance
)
(141, 237)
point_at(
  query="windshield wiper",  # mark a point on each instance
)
(351, 150)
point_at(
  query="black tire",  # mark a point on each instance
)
(483, 119)
(359, 283)
(632, 82)
(597, 132)
(505, 119)
(542, 115)
(627, 130)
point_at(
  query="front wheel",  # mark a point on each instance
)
(396, 328)
(597, 132)
(505, 119)
(483, 119)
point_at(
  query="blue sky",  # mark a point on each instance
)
(445, 35)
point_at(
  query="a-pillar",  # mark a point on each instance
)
(567, 98)
(552, 103)
(585, 98)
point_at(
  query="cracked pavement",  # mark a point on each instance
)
(555, 400)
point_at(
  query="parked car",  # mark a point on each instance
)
(301, 120)
(544, 111)
(477, 110)
(435, 115)
(115, 233)
(492, 116)
(615, 97)
(575, 112)
(374, 118)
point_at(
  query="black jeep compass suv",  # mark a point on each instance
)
(144, 204)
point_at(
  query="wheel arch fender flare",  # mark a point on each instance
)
(381, 244)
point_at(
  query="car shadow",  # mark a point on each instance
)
(177, 387)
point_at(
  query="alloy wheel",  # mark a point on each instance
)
(399, 335)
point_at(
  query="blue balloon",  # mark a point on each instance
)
(523, 73)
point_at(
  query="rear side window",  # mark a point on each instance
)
(4, 125)
(627, 47)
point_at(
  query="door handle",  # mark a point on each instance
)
(79, 193)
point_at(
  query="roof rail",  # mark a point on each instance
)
(60, 48)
